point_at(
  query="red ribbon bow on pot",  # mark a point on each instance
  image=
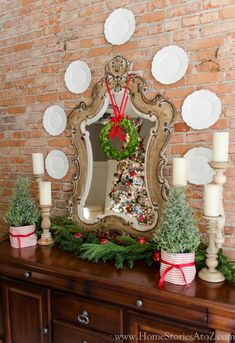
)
(171, 266)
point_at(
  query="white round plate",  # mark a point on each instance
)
(77, 77)
(54, 120)
(57, 164)
(201, 109)
(199, 171)
(119, 26)
(169, 64)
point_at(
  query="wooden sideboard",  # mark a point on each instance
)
(51, 296)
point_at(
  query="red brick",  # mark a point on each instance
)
(129, 46)
(204, 78)
(155, 4)
(209, 17)
(24, 46)
(85, 43)
(197, 137)
(184, 9)
(227, 13)
(98, 51)
(181, 127)
(16, 110)
(150, 18)
(47, 97)
(191, 21)
(205, 43)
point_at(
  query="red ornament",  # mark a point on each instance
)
(141, 218)
(156, 256)
(141, 240)
(77, 235)
(104, 241)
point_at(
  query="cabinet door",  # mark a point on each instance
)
(26, 313)
(141, 328)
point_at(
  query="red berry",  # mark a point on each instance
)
(104, 241)
(156, 256)
(141, 240)
(77, 235)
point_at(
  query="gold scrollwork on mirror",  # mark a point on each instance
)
(126, 195)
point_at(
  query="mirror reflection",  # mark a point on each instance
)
(118, 187)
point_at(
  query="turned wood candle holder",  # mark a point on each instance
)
(210, 273)
(215, 229)
(46, 238)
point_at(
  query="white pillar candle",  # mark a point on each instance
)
(179, 171)
(220, 146)
(38, 163)
(211, 200)
(45, 193)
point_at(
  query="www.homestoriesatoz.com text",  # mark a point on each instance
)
(145, 336)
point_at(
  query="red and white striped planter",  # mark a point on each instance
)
(23, 236)
(175, 275)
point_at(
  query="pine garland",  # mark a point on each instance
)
(123, 250)
(102, 246)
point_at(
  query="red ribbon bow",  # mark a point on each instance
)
(21, 236)
(178, 266)
(118, 111)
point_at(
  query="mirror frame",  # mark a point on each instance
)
(116, 72)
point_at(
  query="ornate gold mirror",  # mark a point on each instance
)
(126, 195)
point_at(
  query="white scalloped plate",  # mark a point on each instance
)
(119, 26)
(54, 120)
(57, 164)
(169, 64)
(201, 109)
(77, 77)
(199, 171)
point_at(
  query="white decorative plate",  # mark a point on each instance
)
(201, 109)
(57, 164)
(169, 64)
(119, 26)
(77, 77)
(199, 171)
(54, 120)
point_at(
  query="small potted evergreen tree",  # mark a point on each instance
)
(178, 236)
(22, 216)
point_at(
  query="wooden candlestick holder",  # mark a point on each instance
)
(210, 273)
(215, 229)
(46, 238)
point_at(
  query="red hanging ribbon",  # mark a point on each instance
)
(171, 266)
(118, 111)
(21, 236)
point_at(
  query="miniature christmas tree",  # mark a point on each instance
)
(129, 194)
(22, 210)
(178, 232)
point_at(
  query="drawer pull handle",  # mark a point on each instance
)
(27, 275)
(139, 303)
(83, 318)
(45, 331)
(84, 342)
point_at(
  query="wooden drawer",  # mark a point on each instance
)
(87, 313)
(142, 328)
(193, 314)
(65, 333)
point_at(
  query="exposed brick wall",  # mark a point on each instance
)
(39, 38)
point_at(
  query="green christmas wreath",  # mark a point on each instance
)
(130, 147)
